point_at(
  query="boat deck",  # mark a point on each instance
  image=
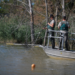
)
(59, 53)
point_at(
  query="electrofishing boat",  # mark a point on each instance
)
(56, 53)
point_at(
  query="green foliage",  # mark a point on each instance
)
(2, 11)
(6, 1)
(3, 29)
(22, 33)
(5, 9)
(39, 34)
(12, 28)
(70, 5)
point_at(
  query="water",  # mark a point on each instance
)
(17, 60)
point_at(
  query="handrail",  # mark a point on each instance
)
(60, 31)
(55, 36)
(56, 30)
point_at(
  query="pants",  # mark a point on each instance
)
(65, 39)
(52, 39)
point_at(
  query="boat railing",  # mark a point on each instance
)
(57, 36)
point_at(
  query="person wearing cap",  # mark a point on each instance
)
(51, 26)
(63, 26)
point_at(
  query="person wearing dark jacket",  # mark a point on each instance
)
(63, 26)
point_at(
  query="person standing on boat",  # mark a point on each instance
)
(51, 26)
(63, 26)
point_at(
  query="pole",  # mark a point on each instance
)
(31, 22)
(45, 38)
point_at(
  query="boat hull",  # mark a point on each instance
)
(59, 53)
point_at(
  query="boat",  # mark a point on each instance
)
(58, 54)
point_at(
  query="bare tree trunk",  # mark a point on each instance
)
(45, 38)
(31, 22)
(63, 8)
(56, 15)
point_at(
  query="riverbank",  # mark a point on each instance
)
(8, 41)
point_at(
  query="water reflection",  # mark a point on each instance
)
(17, 60)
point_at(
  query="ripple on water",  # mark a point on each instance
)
(17, 60)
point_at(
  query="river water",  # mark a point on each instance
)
(17, 60)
